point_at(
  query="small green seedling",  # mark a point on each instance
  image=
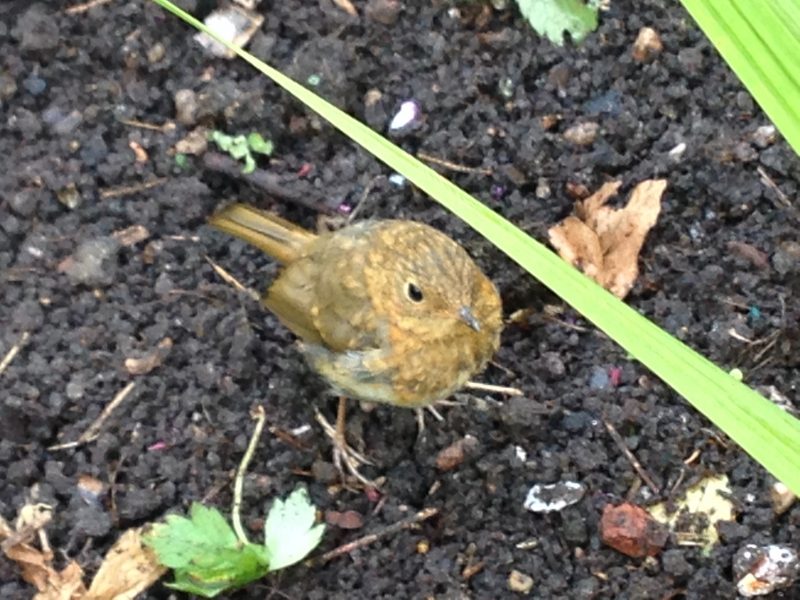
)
(242, 147)
(551, 18)
(208, 557)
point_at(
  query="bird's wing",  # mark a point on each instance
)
(322, 297)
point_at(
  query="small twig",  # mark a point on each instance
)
(771, 340)
(127, 190)
(770, 183)
(738, 336)
(12, 353)
(93, 432)
(289, 189)
(497, 389)
(631, 458)
(503, 368)
(168, 126)
(112, 483)
(423, 515)
(572, 326)
(362, 200)
(692, 457)
(83, 7)
(453, 166)
(231, 280)
(260, 418)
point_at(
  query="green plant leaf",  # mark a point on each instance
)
(289, 532)
(258, 144)
(761, 43)
(761, 428)
(205, 553)
(551, 18)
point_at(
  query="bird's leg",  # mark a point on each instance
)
(344, 456)
(421, 419)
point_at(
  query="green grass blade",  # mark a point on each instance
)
(766, 432)
(760, 40)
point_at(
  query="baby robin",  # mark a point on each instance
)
(386, 310)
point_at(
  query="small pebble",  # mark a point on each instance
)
(60, 123)
(407, 117)
(677, 152)
(452, 456)
(497, 191)
(782, 498)
(8, 86)
(505, 87)
(629, 529)
(764, 136)
(94, 263)
(599, 379)
(582, 134)
(760, 570)
(520, 582)
(34, 85)
(383, 11)
(608, 103)
(553, 497)
(185, 107)
(787, 257)
(156, 52)
(647, 45)
(75, 389)
(543, 191)
(37, 29)
(397, 180)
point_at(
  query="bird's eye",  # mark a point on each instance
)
(413, 292)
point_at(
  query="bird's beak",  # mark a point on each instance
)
(465, 314)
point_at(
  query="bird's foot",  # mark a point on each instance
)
(346, 459)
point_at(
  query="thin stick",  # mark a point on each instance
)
(567, 325)
(93, 432)
(770, 183)
(631, 458)
(232, 281)
(498, 389)
(423, 515)
(79, 8)
(451, 165)
(127, 190)
(168, 126)
(12, 353)
(260, 418)
(291, 189)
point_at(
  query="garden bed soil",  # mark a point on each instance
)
(83, 94)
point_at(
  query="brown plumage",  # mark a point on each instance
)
(387, 311)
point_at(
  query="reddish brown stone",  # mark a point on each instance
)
(629, 529)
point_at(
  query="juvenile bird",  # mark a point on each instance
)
(386, 310)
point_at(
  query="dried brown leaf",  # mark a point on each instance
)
(37, 569)
(145, 364)
(605, 242)
(128, 569)
(67, 585)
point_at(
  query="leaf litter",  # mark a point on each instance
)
(605, 242)
(128, 568)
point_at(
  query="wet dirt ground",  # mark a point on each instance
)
(89, 122)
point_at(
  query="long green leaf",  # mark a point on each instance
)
(762, 429)
(760, 40)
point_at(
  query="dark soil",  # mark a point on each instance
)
(723, 255)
